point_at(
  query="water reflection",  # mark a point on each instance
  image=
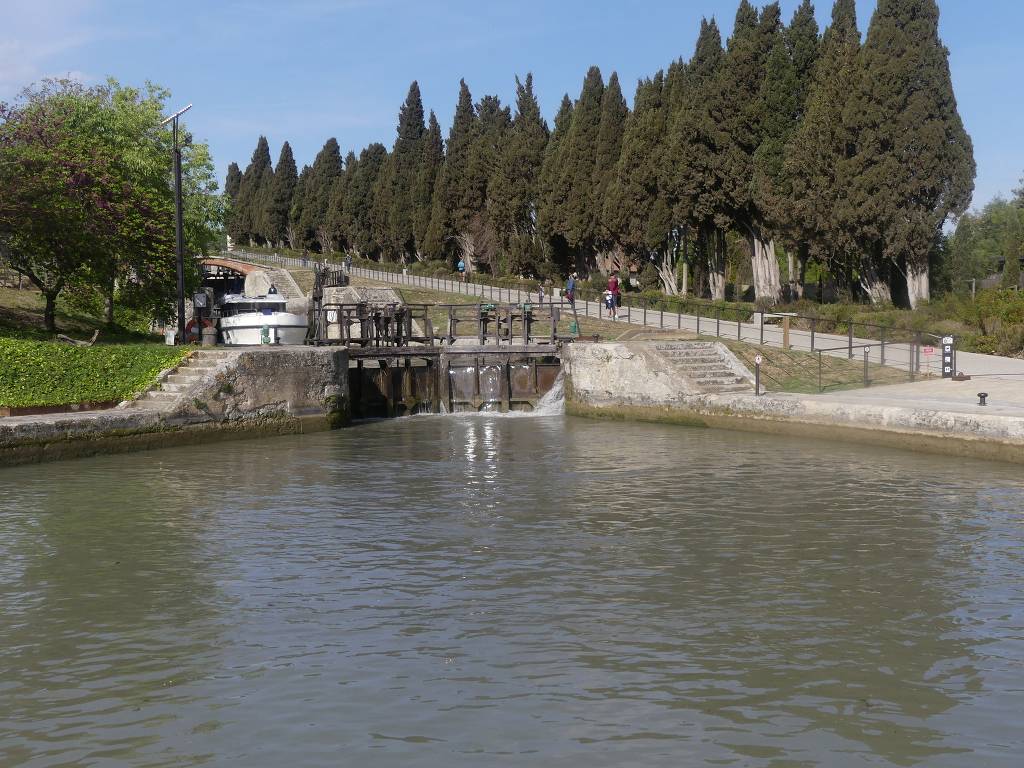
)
(453, 591)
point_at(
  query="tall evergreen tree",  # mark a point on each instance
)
(690, 178)
(606, 157)
(551, 193)
(358, 204)
(286, 176)
(247, 211)
(233, 181)
(427, 174)
(913, 164)
(452, 206)
(515, 188)
(317, 197)
(634, 207)
(687, 180)
(396, 187)
(294, 232)
(493, 124)
(577, 224)
(819, 145)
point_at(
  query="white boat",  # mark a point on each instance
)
(251, 319)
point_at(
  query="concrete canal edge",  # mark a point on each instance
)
(610, 381)
(256, 393)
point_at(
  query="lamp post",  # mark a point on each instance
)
(179, 230)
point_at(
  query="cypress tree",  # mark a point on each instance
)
(430, 165)
(261, 208)
(551, 193)
(606, 157)
(451, 209)
(231, 186)
(803, 43)
(493, 124)
(690, 178)
(358, 203)
(280, 195)
(247, 210)
(514, 191)
(577, 173)
(634, 206)
(317, 196)
(739, 111)
(397, 186)
(233, 181)
(913, 162)
(294, 232)
(819, 145)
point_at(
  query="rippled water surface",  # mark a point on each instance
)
(512, 591)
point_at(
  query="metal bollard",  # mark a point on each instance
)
(867, 380)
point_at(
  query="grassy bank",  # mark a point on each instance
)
(45, 373)
(37, 371)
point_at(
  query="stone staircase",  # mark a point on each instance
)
(708, 364)
(171, 388)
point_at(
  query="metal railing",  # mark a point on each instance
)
(888, 345)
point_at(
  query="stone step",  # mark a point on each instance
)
(160, 395)
(183, 376)
(175, 387)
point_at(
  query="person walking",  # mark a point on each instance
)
(570, 290)
(613, 288)
(540, 293)
(348, 263)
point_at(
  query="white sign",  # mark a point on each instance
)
(758, 360)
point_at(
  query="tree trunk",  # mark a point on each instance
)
(874, 283)
(802, 256)
(917, 285)
(50, 312)
(765, 266)
(684, 289)
(790, 274)
(667, 272)
(108, 304)
(716, 265)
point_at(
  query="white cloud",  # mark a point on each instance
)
(36, 34)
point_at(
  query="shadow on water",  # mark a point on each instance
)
(513, 590)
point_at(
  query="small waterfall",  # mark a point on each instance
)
(553, 402)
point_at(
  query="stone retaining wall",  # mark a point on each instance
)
(260, 392)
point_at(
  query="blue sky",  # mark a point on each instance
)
(305, 70)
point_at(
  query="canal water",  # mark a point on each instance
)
(477, 591)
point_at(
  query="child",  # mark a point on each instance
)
(609, 303)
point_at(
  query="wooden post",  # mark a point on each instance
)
(785, 332)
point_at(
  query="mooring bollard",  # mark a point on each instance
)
(982, 397)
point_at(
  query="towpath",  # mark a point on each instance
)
(763, 329)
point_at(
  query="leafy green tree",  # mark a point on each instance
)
(913, 162)
(86, 195)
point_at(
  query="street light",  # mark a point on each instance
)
(179, 229)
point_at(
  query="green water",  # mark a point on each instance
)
(478, 591)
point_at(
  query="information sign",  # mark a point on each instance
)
(948, 357)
